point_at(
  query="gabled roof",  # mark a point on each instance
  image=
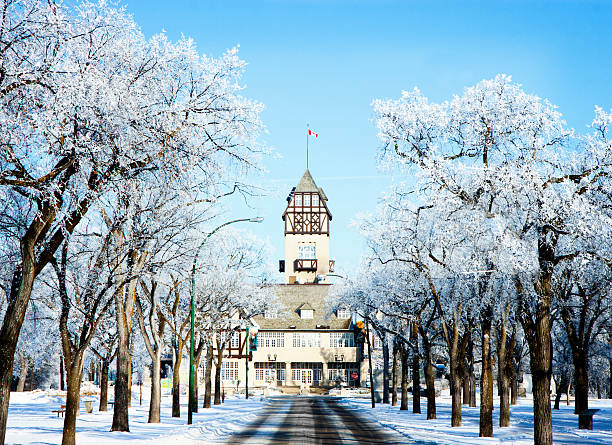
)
(307, 184)
(305, 307)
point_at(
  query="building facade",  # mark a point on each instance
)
(303, 344)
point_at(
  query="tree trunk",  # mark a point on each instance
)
(23, 372)
(394, 376)
(21, 288)
(558, 393)
(472, 376)
(208, 376)
(122, 389)
(502, 366)
(486, 381)
(104, 386)
(430, 381)
(610, 370)
(537, 332)
(61, 370)
(539, 359)
(155, 402)
(130, 366)
(218, 373)
(465, 385)
(581, 383)
(513, 377)
(404, 403)
(455, 382)
(74, 374)
(416, 374)
(598, 389)
(196, 361)
(561, 387)
(385, 346)
(176, 386)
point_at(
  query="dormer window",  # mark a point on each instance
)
(306, 313)
(271, 314)
(343, 313)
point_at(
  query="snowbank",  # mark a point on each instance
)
(520, 432)
(31, 421)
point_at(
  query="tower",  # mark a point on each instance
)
(306, 234)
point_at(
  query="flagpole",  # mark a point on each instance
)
(307, 131)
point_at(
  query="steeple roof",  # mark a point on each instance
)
(307, 184)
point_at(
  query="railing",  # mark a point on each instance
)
(301, 264)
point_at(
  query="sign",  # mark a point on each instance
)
(354, 375)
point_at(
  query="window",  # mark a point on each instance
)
(298, 200)
(306, 200)
(229, 371)
(306, 313)
(306, 372)
(271, 340)
(306, 340)
(343, 313)
(269, 371)
(315, 200)
(341, 340)
(235, 341)
(376, 342)
(271, 314)
(342, 371)
(307, 252)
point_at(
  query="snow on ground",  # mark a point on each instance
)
(520, 432)
(31, 421)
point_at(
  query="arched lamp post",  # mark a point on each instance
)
(192, 400)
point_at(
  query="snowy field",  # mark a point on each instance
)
(31, 421)
(520, 432)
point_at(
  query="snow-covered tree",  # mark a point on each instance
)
(504, 158)
(105, 106)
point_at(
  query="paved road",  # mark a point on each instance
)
(313, 420)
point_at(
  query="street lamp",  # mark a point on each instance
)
(192, 400)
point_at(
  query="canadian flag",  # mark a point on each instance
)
(312, 133)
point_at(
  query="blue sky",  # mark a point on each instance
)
(323, 62)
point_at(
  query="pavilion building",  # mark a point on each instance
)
(303, 344)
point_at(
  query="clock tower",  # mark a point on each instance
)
(307, 221)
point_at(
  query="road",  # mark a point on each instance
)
(313, 420)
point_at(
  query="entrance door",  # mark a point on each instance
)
(307, 376)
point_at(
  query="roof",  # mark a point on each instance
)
(306, 307)
(293, 297)
(307, 184)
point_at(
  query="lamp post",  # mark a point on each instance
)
(192, 400)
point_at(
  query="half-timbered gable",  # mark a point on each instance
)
(307, 211)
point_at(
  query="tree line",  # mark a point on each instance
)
(116, 153)
(496, 235)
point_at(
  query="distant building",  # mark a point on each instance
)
(303, 344)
